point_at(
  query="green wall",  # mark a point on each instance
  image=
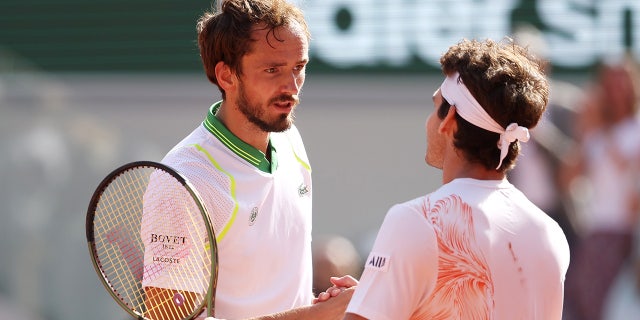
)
(349, 35)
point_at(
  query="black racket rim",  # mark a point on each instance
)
(209, 301)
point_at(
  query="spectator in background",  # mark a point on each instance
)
(623, 298)
(541, 158)
(605, 164)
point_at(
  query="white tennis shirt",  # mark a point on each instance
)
(261, 214)
(470, 250)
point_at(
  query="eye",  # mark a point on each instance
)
(270, 70)
(300, 67)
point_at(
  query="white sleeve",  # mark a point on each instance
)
(402, 268)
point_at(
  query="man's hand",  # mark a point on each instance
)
(340, 284)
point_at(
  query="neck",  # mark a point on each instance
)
(473, 171)
(456, 166)
(243, 129)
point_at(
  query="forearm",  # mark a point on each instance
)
(332, 306)
(306, 312)
(331, 309)
(299, 313)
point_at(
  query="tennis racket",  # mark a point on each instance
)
(152, 244)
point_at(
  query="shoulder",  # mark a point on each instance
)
(407, 241)
(290, 140)
(404, 257)
(290, 137)
(542, 229)
(556, 241)
(407, 222)
(187, 146)
(199, 158)
(409, 210)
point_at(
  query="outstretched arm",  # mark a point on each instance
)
(332, 309)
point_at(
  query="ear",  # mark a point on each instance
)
(449, 124)
(225, 76)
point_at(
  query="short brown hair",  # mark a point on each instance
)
(509, 84)
(225, 35)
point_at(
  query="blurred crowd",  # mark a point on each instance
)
(583, 169)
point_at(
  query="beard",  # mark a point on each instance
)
(256, 114)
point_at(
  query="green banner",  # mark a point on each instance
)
(348, 35)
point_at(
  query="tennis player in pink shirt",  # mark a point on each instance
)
(475, 248)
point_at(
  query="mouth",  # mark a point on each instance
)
(284, 105)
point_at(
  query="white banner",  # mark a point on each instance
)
(389, 33)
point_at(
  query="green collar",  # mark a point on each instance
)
(239, 147)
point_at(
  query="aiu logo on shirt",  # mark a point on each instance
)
(378, 262)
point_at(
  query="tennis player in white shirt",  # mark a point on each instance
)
(475, 248)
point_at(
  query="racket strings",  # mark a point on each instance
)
(121, 258)
(134, 203)
(187, 274)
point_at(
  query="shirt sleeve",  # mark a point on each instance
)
(402, 268)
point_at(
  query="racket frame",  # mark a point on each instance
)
(91, 212)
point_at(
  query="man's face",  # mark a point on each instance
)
(272, 77)
(435, 140)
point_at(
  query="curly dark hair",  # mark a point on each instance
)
(509, 84)
(225, 35)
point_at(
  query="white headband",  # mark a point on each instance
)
(457, 94)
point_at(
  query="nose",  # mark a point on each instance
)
(293, 83)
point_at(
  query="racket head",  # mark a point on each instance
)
(125, 220)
